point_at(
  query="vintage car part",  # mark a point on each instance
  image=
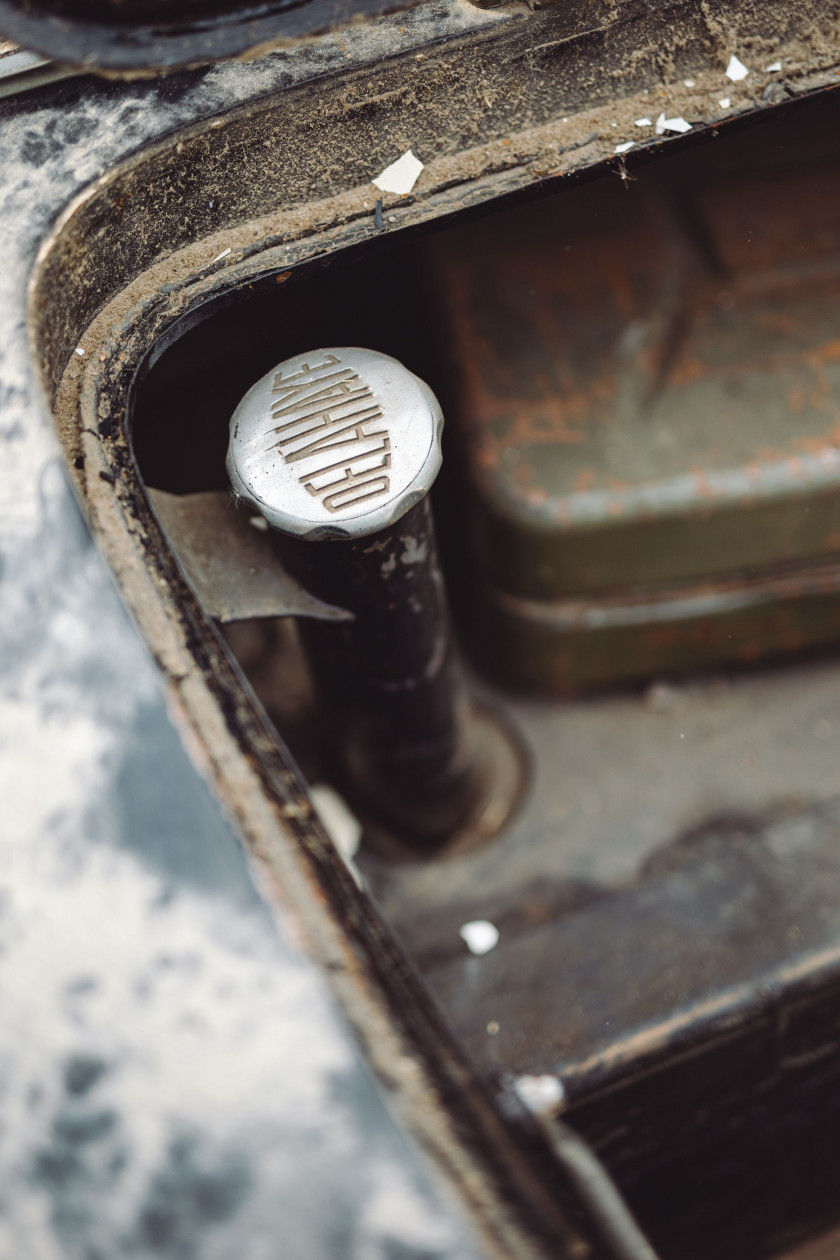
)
(647, 395)
(138, 36)
(646, 819)
(337, 449)
(224, 192)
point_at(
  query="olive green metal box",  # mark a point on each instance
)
(647, 392)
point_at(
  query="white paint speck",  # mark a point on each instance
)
(671, 124)
(644, 122)
(479, 935)
(689, 83)
(540, 1094)
(623, 148)
(724, 102)
(340, 823)
(79, 351)
(415, 552)
(777, 65)
(223, 254)
(401, 176)
(736, 70)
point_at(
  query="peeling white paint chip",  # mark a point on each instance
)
(736, 70)
(623, 148)
(479, 935)
(401, 176)
(79, 351)
(671, 124)
(223, 254)
(644, 122)
(777, 65)
(340, 823)
(540, 1094)
(724, 102)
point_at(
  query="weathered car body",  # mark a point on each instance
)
(210, 1043)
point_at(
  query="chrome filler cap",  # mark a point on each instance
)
(336, 443)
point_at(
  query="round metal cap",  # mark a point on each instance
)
(335, 443)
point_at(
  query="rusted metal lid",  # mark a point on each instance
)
(648, 398)
(634, 413)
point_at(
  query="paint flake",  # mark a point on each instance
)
(644, 122)
(664, 124)
(736, 70)
(623, 148)
(401, 176)
(479, 936)
(340, 823)
(540, 1094)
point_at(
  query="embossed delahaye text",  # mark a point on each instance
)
(326, 411)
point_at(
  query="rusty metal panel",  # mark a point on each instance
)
(648, 392)
(598, 640)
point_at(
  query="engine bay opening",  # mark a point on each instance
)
(639, 525)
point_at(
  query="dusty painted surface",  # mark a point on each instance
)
(175, 1079)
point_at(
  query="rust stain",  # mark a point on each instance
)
(702, 485)
(829, 352)
(811, 445)
(775, 321)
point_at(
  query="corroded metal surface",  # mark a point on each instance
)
(638, 410)
(279, 180)
(589, 642)
(390, 683)
(648, 399)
